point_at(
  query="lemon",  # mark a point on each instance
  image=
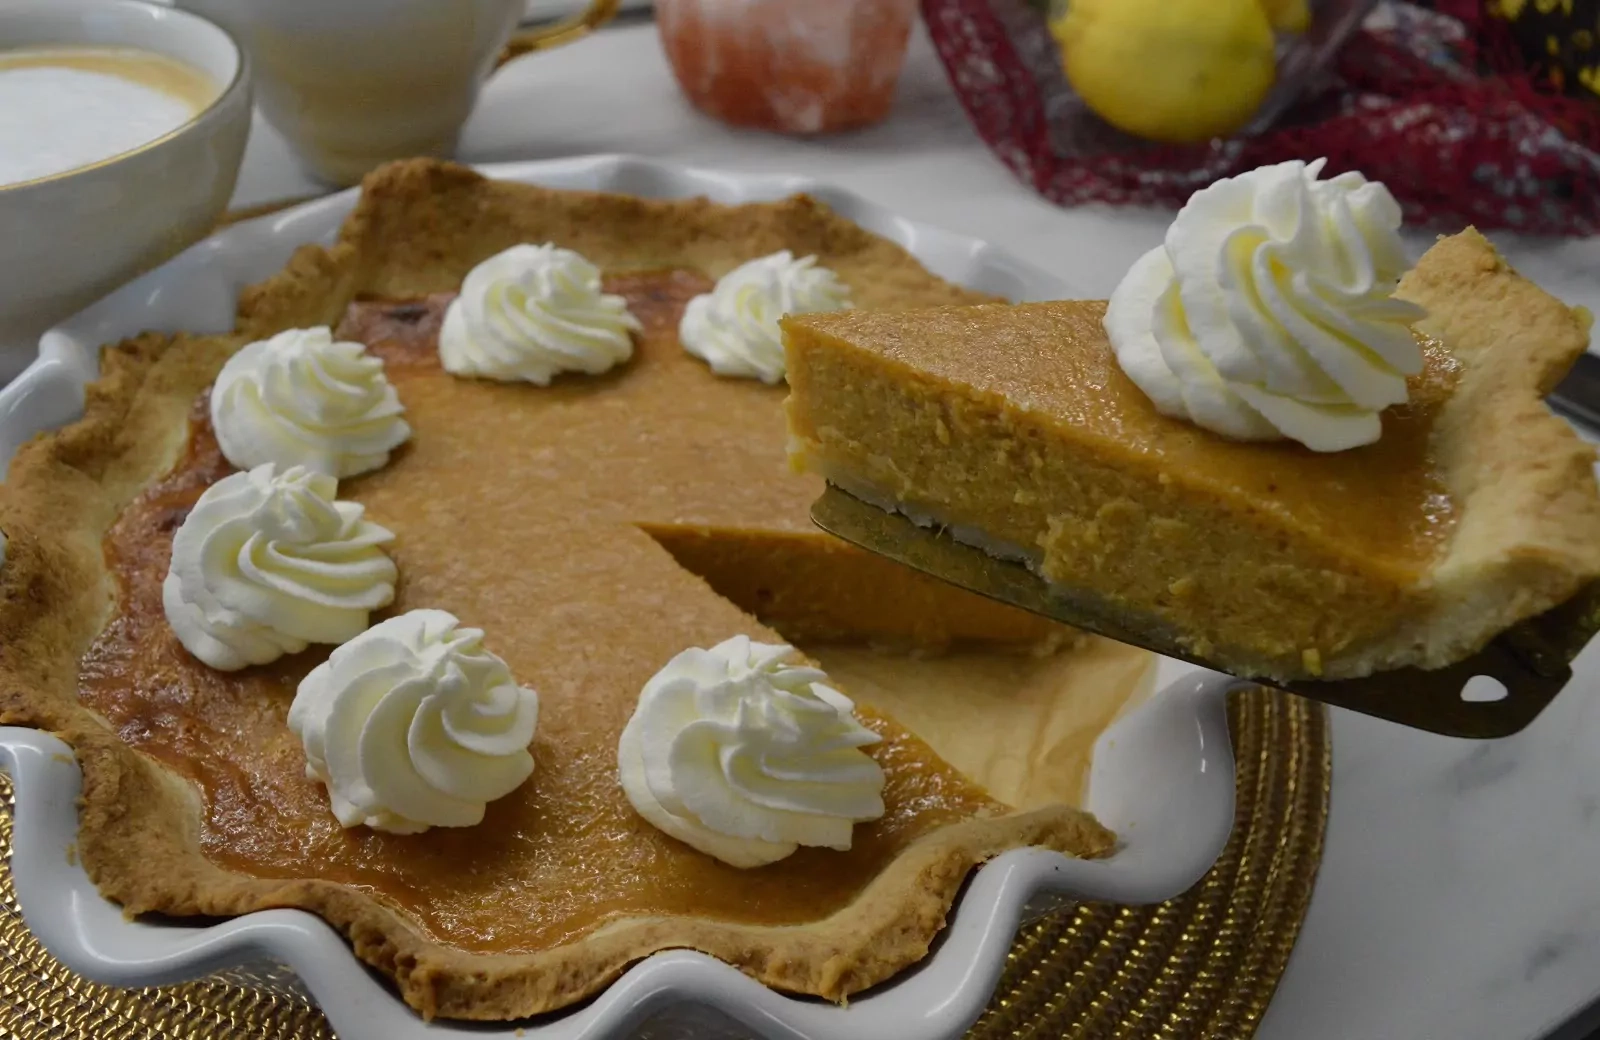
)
(1169, 70)
(1290, 16)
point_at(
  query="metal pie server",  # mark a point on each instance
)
(1531, 661)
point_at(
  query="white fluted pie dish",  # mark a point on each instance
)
(1162, 777)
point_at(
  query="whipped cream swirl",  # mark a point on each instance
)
(413, 724)
(746, 755)
(267, 562)
(303, 398)
(531, 312)
(1269, 311)
(734, 327)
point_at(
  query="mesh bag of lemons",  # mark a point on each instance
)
(1176, 71)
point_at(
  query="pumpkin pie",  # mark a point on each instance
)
(1015, 427)
(593, 528)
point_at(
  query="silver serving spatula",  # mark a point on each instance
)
(1530, 661)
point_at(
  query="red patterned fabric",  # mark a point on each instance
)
(1434, 103)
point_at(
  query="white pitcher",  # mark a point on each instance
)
(352, 84)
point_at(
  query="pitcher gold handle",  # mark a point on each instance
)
(526, 41)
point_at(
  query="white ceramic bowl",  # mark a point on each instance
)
(1162, 776)
(69, 238)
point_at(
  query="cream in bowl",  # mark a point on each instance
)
(66, 107)
(122, 124)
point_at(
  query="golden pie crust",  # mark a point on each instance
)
(73, 497)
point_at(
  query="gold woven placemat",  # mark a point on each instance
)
(1203, 965)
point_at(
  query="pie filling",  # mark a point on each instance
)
(559, 492)
(1259, 552)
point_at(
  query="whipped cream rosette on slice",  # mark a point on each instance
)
(1269, 312)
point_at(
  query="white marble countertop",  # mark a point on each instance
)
(1459, 896)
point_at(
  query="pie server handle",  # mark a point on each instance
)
(1528, 663)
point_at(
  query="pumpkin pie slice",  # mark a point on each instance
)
(1014, 427)
(593, 529)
